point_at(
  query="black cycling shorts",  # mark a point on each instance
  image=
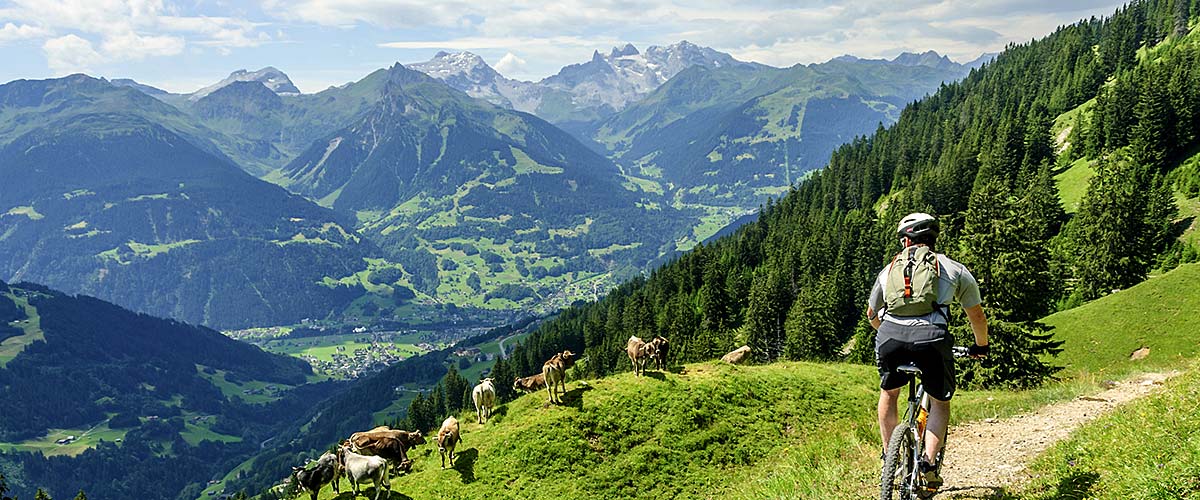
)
(929, 347)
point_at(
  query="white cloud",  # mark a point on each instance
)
(70, 54)
(12, 32)
(121, 30)
(510, 64)
(386, 13)
(131, 46)
(775, 32)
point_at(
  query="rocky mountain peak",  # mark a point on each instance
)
(276, 81)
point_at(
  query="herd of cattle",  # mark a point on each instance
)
(367, 456)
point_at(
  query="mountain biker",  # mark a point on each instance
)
(923, 339)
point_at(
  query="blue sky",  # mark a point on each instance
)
(184, 45)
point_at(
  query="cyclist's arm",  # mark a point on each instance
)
(874, 304)
(978, 322)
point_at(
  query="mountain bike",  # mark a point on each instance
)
(901, 472)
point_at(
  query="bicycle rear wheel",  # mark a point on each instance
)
(897, 466)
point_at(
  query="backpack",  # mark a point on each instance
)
(911, 288)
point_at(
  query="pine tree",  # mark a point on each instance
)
(983, 237)
(1038, 143)
(454, 385)
(81, 495)
(765, 313)
(4, 488)
(1017, 356)
(41, 495)
(863, 349)
(812, 323)
(1153, 134)
(1121, 225)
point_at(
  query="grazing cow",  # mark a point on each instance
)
(448, 438)
(737, 356)
(554, 372)
(391, 444)
(366, 438)
(529, 384)
(639, 353)
(661, 345)
(311, 480)
(364, 468)
(484, 396)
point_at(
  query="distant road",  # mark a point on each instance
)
(502, 354)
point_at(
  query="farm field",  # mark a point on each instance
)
(86, 438)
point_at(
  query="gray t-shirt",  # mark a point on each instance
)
(955, 282)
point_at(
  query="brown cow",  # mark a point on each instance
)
(392, 444)
(738, 356)
(639, 353)
(448, 438)
(554, 372)
(529, 384)
(661, 345)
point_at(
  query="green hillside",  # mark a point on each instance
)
(110, 196)
(666, 435)
(1101, 335)
(105, 391)
(479, 205)
(1150, 448)
(804, 430)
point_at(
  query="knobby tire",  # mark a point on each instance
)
(897, 459)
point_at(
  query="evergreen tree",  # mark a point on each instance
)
(1038, 143)
(81, 495)
(4, 488)
(438, 403)
(765, 313)
(420, 413)
(812, 323)
(983, 237)
(41, 495)
(1017, 357)
(1153, 134)
(1122, 224)
(455, 386)
(863, 349)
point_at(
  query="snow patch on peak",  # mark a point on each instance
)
(272, 78)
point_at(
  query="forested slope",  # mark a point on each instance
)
(152, 404)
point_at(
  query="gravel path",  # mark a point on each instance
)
(985, 456)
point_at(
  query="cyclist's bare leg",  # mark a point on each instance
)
(887, 413)
(935, 427)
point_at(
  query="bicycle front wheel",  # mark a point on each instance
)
(897, 465)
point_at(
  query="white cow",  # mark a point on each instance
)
(484, 396)
(363, 468)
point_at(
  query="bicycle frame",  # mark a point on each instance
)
(914, 417)
(901, 460)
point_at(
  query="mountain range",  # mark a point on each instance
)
(135, 195)
(578, 92)
(112, 193)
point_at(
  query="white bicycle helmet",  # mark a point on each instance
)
(915, 225)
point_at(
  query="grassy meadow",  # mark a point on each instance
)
(807, 430)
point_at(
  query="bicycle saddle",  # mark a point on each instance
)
(909, 368)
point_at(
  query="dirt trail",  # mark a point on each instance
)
(988, 455)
